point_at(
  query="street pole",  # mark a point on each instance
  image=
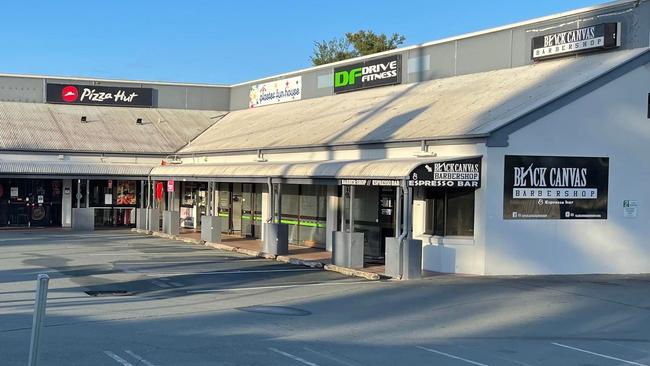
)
(39, 317)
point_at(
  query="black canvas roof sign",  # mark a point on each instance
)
(586, 39)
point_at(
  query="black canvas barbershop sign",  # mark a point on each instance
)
(596, 37)
(368, 74)
(464, 173)
(99, 95)
(553, 187)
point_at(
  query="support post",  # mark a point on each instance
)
(39, 317)
(78, 193)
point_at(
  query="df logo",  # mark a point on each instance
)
(343, 78)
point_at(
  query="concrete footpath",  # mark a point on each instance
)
(291, 259)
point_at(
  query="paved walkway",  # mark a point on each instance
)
(301, 253)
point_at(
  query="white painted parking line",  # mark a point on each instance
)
(282, 286)
(293, 357)
(139, 358)
(598, 354)
(451, 356)
(213, 273)
(118, 358)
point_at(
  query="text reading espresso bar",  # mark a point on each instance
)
(574, 193)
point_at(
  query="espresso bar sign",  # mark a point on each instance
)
(465, 173)
(552, 187)
(99, 95)
(596, 37)
(368, 74)
(370, 182)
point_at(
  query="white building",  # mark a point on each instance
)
(517, 150)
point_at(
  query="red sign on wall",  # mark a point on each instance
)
(170, 186)
(159, 191)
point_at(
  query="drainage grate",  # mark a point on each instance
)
(109, 293)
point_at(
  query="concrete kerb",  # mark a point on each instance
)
(259, 254)
(353, 272)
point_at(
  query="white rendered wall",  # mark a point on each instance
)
(609, 122)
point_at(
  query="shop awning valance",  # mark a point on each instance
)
(75, 170)
(349, 172)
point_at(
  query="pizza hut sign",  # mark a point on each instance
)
(99, 95)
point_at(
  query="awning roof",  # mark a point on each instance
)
(57, 127)
(73, 169)
(342, 169)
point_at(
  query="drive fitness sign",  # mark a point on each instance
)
(368, 74)
(99, 95)
(596, 37)
(552, 187)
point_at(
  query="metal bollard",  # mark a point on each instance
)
(39, 317)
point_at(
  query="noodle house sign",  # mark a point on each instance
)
(587, 39)
(99, 95)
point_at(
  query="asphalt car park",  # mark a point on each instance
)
(118, 298)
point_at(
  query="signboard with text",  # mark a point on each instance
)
(273, 92)
(99, 95)
(462, 173)
(555, 187)
(368, 74)
(592, 38)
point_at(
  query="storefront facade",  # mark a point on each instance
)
(518, 149)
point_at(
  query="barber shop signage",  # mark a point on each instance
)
(554, 187)
(596, 37)
(278, 91)
(371, 182)
(99, 95)
(368, 74)
(464, 173)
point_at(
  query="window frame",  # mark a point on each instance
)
(431, 197)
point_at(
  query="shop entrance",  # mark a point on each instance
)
(240, 209)
(194, 200)
(374, 216)
(30, 202)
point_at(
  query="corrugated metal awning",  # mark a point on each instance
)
(342, 169)
(73, 169)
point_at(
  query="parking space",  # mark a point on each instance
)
(117, 298)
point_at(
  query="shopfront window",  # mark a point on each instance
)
(304, 210)
(450, 212)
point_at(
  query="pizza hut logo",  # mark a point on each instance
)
(69, 94)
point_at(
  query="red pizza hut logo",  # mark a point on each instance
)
(69, 94)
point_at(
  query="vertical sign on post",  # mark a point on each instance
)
(170, 186)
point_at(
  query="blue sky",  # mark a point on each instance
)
(223, 42)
